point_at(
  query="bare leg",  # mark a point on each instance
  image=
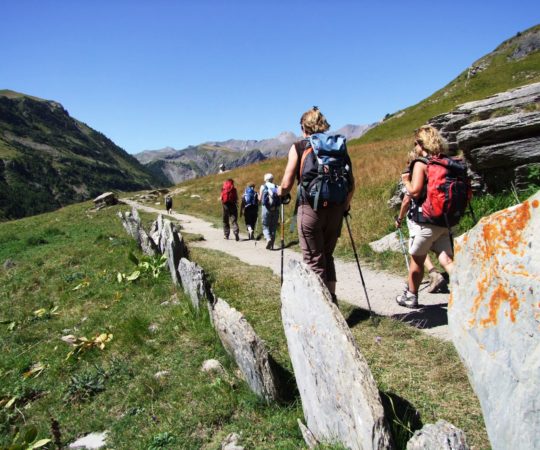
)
(416, 273)
(447, 262)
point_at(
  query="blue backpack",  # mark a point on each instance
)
(325, 173)
(270, 197)
(250, 197)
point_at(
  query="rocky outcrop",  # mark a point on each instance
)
(494, 316)
(440, 436)
(499, 136)
(248, 350)
(340, 399)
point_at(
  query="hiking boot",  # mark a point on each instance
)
(237, 237)
(436, 283)
(407, 299)
(225, 237)
(269, 244)
(334, 299)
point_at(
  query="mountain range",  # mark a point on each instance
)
(174, 166)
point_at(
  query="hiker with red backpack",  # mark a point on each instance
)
(322, 166)
(229, 201)
(437, 283)
(249, 206)
(440, 192)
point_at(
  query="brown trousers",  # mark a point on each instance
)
(318, 232)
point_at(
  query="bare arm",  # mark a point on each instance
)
(403, 209)
(415, 185)
(287, 181)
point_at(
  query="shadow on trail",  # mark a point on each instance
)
(428, 316)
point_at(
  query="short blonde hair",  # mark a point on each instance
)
(431, 140)
(313, 121)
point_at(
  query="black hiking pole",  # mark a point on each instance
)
(358, 264)
(282, 239)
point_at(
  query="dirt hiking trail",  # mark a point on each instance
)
(382, 287)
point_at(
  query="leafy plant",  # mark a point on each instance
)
(27, 439)
(161, 440)
(147, 264)
(84, 386)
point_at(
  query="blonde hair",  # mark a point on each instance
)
(313, 121)
(431, 140)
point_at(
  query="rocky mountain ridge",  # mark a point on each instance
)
(174, 166)
(49, 159)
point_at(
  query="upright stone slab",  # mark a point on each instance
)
(194, 283)
(132, 224)
(340, 399)
(248, 350)
(170, 243)
(494, 316)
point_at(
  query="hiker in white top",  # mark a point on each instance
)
(270, 209)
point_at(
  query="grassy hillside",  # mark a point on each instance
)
(64, 282)
(500, 72)
(48, 159)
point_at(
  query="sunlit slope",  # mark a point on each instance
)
(514, 63)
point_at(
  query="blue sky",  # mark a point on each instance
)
(158, 73)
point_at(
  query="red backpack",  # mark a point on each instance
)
(448, 191)
(228, 192)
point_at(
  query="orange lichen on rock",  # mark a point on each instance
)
(506, 235)
(502, 233)
(535, 203)
(499, 296)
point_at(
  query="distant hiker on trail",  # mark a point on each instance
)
(323, 169)
(268, 193)
(168, 204)
(437, 281)
(250, 208)
(430, 217)
(229, 200)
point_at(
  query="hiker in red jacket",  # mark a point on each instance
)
(229, 200)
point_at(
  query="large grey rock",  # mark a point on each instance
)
(248, 350)
(505, 154)
(340, 399)
(510, 127)
(439, 436)
(494, 317)
(132, 224)
(390, 242)
(194, 283)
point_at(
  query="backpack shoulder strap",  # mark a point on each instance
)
(303, 149)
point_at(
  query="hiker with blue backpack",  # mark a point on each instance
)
(270, 201)
(323, 168)
(249, 207)
(440, 192)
